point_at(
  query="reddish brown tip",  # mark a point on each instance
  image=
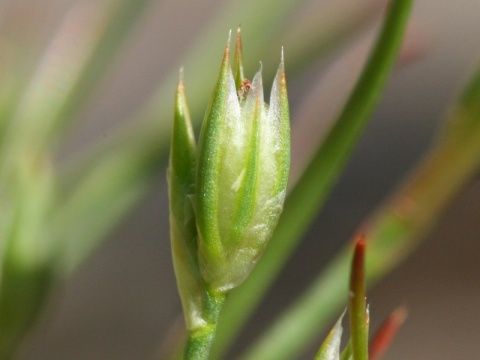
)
(386, 333)
(358, 263)
(360, 241)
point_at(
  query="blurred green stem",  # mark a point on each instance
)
(317, 181)
(71, 67)
(392, 233)
(24, 293)
(318, 33)
(62, 83)
(26, 268)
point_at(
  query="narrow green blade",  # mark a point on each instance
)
(393, 231)
(316, 183)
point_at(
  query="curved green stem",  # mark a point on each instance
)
(312, 190)
(200, 340)
(393, 232)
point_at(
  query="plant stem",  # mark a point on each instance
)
(200, 340)
(357, 307)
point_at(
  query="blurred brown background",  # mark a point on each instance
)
(121, 302)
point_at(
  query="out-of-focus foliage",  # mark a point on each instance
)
(54, 217)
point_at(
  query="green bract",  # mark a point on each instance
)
(181, 181)
(243, 165)
(330, 348)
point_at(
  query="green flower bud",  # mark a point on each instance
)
(242, 171)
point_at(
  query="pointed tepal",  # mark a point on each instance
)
(330, 349)
(182, 151)
(181, 181)
(238, 61)
(217, 139)
(279, 119)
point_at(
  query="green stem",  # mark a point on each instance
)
(23, 293)
(316, 183)
(199, 343)
(357, 305)
(200, 340)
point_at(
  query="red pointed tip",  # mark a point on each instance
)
(399, 315)
(357, 274)
(359, 253)
(361, 241)
(387, 332)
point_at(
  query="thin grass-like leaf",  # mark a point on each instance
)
(88, 39)
(26, 265)
(396, 228)
(315, 184)
(313, 35)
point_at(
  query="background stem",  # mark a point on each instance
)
(316, 183)
(393, 232)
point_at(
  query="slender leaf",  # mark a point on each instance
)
(111, 190)
(395, 229)
(74, 62)
(313, 187)
(26, 266)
